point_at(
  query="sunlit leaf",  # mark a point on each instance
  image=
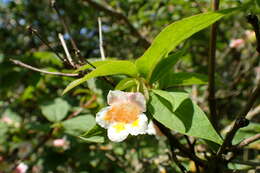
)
(173, 35)
(176, 111)
(110, 68)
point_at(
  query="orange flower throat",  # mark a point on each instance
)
(124, 113)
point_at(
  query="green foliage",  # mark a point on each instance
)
(165, 65)
(173, 35)
(176, 111)
(78, 125)
(109, 68)
(126, 83)
(55, 110)
(182, 79)
(96, 134)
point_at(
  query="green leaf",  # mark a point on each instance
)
(78, 125)
(109, 68)
(177, 112)
(56, 110)
(95, 63)
(96, 134)
(182, 79)
(246, 132)
(165, 65)
(48, 58)
(173, 35)
(126, 83)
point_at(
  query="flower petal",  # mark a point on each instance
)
(116, 96)
(151, 129)
(117, 132)
(139, 126)
(100, 117)
(139, 99)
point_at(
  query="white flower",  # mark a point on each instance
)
(21, 168)
(124, 115)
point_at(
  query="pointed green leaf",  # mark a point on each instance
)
(126, 83)
(173, 35)
(96, 134)
(109, 68)
(182, 79)
(165, 65)
(184, 116)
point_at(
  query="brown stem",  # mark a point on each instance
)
(35, 32)
(42, 71)
(176, 144)
(240, 121)
(211, 69)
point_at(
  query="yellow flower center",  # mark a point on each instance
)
(124, 113)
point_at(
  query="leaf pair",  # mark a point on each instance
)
(153, 64)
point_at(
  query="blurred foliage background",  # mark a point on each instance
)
(27, 98)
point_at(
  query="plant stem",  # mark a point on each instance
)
(211, 68)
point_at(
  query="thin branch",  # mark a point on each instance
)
(211, 69)
(65, 26)
(63, 43)
(35, 32)
(249, 141)
(175, 159)
(102, 52)
(111, 12)
(240, 121)
(176, 144)
(250, 163)
(17, 62)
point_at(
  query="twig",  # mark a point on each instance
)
(175, 159)
(249, 141)
(120, 16)
(35, 32)
(240, 121)
(63, 43)
(253, 112)
(101, 39)
(89, 102)
(211, 69)
(176, 144)
(65, 26)
(17, 62)
(253, 20)
(250, 163)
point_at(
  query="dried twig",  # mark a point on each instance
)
(111, 12)
(250, 163)
(35, 32)
(17, 62)
(249, 141)
(240, 121)
(102, 52)
(63, 43)
(176, 144)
